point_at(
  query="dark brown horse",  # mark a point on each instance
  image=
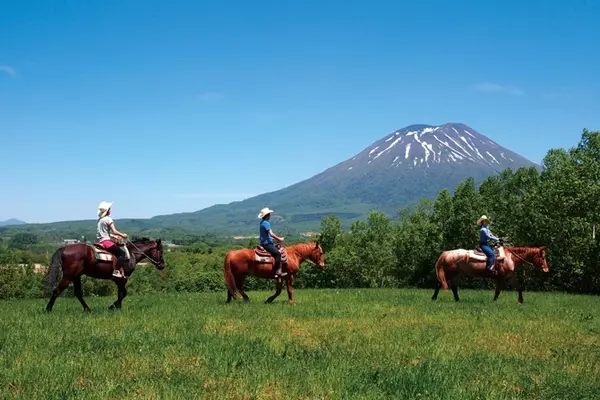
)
(84, 259)
(452, 263)
(256, 262)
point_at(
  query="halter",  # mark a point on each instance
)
(155, 263)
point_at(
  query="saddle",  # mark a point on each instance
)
(479, 255)
(263, 256)
(101, 254)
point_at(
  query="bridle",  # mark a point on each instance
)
(155, 263)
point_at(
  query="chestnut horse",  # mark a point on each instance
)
(452, 263)
(83, 259)
(243, 262)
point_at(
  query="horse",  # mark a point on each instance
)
(258, 262)
(452, 263)
(92, 260)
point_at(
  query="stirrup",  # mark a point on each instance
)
(117, 274)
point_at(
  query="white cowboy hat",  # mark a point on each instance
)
(264, 212)
(103, 207)
(481, 219)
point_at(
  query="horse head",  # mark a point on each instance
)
(150, 249)
(316, 255)
(539, 259)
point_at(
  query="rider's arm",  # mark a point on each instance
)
(490, 235)
(279, 239)
(115, 232)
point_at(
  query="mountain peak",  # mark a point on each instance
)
(12, 221)
(423, 145)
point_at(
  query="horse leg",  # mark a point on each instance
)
(454, 285)
(79, 293)
(517, 285)
(436, 291)
(59, 289)
(455, 291)
(277, 291)
(122, 293)
(499, 284)
(288, 284)
(239, 282)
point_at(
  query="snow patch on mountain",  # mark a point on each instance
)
(426, 145)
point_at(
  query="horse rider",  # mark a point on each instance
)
(266, 239)
(485, 235)
(105, 232)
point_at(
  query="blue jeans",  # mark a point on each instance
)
(270, 247)
(489, 253)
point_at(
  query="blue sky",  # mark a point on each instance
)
(171, 106)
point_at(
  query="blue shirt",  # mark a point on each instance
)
(265, 237)
(485, 235)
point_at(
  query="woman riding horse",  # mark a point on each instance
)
(105, 231)
(485, 235)
(266, 239)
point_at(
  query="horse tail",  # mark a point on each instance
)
(53, 270)
(439, 271)
(229, 278)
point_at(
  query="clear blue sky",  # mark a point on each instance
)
(171, 106)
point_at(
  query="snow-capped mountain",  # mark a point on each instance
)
(422, 146)
(404, 166)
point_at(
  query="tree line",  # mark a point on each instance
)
(557, 207)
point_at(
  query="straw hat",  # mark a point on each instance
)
(264, 212)
(481, 219)
(103, 208)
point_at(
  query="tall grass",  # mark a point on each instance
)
(332, 344)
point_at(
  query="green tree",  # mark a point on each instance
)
(466, 208)
(331, 227)
(22, 240)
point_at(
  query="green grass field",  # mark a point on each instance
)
(332, 344)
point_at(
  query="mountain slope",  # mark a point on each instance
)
(395, 171)
(12, 222)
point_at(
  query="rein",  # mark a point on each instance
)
(155, 263)
(521, 258)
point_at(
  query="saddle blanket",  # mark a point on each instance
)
(264, 257)
(478, 255)
(101, 254)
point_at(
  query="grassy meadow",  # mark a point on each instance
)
(332, 344)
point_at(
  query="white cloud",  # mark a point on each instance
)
(497, 88)
(8, 69)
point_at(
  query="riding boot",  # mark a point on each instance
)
(278, 271)
(119, 268)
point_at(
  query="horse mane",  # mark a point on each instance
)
(523, 251)
(302, 246)
(143, 240)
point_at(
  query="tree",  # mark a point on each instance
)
(466, 208)
(331, 227)
(23, 239)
